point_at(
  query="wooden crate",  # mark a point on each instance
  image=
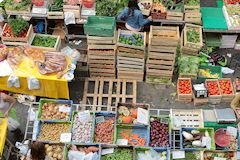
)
(101, 40)
(55, 15)
(227, 97)
(130, 33)
(14, 12)
(190, 44)
(193, 17)
(214, 99)
(189, 9)
(192, 76)
(187, 118)
(109, 92)
(55, 48)
(187, 50)
(101, 46)
(102, 63)
(163, 35)
(199, 101)
(73, 8)
(174, 15)
(167, 80)
(184, 97)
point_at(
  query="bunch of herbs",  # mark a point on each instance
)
(18, 26)
(193, 35)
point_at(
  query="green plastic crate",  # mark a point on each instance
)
(213, 70)
(219, 3)
(216, 125)
(213, 18)
(213, 39)
(100, 26)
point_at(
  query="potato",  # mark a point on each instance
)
(46, 146)
(50, 154)
(59, 157)
(55, 155)
(50, 148)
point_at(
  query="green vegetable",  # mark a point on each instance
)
(110, 7)
(134, 39)
(18, 6)
(119, 154)
(192, 2)
(56, 6)
(44, 41)
(188, 64)
(193, 35)
(18, 26)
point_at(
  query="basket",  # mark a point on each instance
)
(222, 137)
(211, 134)
(132, 131)
(42, 101)
(100, 26)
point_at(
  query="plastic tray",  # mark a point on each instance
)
(42, 101)
(210, 131)
(213, 70)
(139, 149)
(72, 122)
(167, 120)
(106, 115)
(142, 131)
(100, 26)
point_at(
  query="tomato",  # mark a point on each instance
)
(225, 86)
(184, 87)
(212, 87)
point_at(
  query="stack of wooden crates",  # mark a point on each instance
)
(130, 58)
(192, 14)
(102, 56)
(163, 42)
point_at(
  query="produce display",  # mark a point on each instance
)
(16, 28)
(159, 133)
(233, 12)
(81, 130)
(232, 1)
(104, 131)
(18, 5)
(224, 155)
(127, 116)
(52, 131)
(55, 151)
(54, 62)
(158, 8)
(226, 86)
(34, 54)
(133, 137)
(134, 39)
(188, 65)
(56, 6)
(44, 41)
(15, 56)
(151, 154)
(192, 2)
(119, 154)
(193, 138)
(107, 8)
(191, 155)
(83, 152)
(193, 35)
(207, 73)
(184, 86)
(213, 88)
(52, 111)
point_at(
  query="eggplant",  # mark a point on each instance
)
(187, 135)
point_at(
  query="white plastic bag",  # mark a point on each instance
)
(33, 83)
(13, 81)
(69, 18)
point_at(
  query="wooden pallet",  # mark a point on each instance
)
(164, 36)
(73, 8)
(186, 43)
(55, 15)
(184, 97)
(214, 99)
(109, 92)
(174, 15)
(193, 17)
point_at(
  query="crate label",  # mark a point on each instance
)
(219, 158)
(65, 137)
(84, 116)
(206, 141)
(64, 109)
(122, 142)
(232, 131)
(100, 119)
(178, 154)
(142, 116)
(107, 151)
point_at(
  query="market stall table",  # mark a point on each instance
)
(50, 86)
(3, 133)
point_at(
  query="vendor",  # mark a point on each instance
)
(37, 151)
(133, 17)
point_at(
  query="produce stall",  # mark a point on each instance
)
(47, 75)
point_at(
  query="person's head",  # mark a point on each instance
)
(132, 5)
(37, 151)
